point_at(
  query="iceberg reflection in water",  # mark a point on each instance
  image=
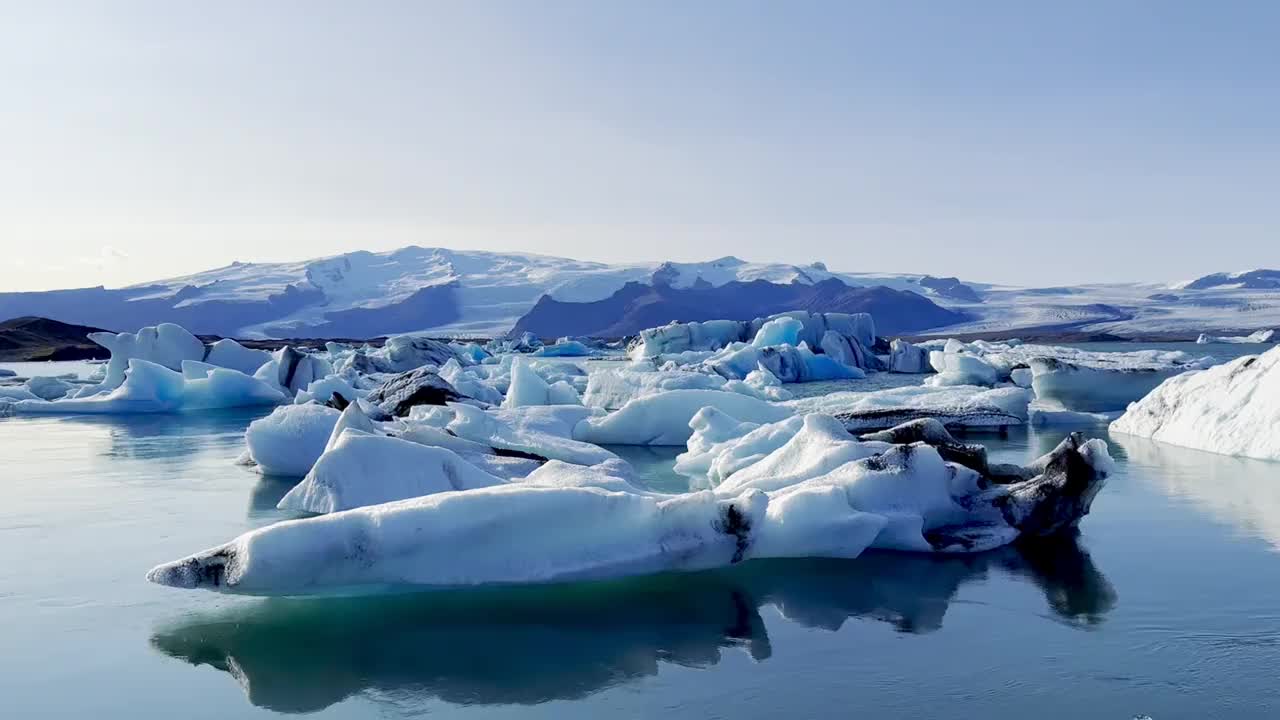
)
(529, 645)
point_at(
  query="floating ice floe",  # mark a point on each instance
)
(148, 387)
(900, 496)
(960, 406)
(1231, 409)
(1259, 337)
(1063, 378)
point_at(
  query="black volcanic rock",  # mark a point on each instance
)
(637, 306)
(422, 386)
(37, 339)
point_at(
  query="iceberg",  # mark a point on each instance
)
(612, 388)
(469, 383)
(664, 419)
(564, 347)
(962, 406)
(292, 370)
(230, 354)
(907, 358)
(760, 383)
(678, 337)
(906, 497)
(333, 390)
(49, 388)
(148, 387)
(816, 445)
(1094, 388)
(537, 437)
(787, 363)
(448, 540)
(291, 439)
(402, 353)
(778, 331)
(1063, 378)
(1231, 409)
(1259, 337)
(528, 388)
(362, 469)
(166, 345)
(15, 393)
(720, 445)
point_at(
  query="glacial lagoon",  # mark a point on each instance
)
(1163, 606)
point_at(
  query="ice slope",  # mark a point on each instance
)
(1231, 409)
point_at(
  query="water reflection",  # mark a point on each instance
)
(1238, 491)
(171, 438)
(531, 645)
(266, 494)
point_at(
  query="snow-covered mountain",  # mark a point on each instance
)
(476, 293)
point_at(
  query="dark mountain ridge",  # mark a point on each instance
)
(637, 306)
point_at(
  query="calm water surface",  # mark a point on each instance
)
(1168, 605)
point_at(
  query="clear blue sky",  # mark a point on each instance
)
(1007, 141)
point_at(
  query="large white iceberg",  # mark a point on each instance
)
(906, 497)
(1232, 409)
(165, 344)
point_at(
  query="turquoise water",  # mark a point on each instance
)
(1165, 606)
